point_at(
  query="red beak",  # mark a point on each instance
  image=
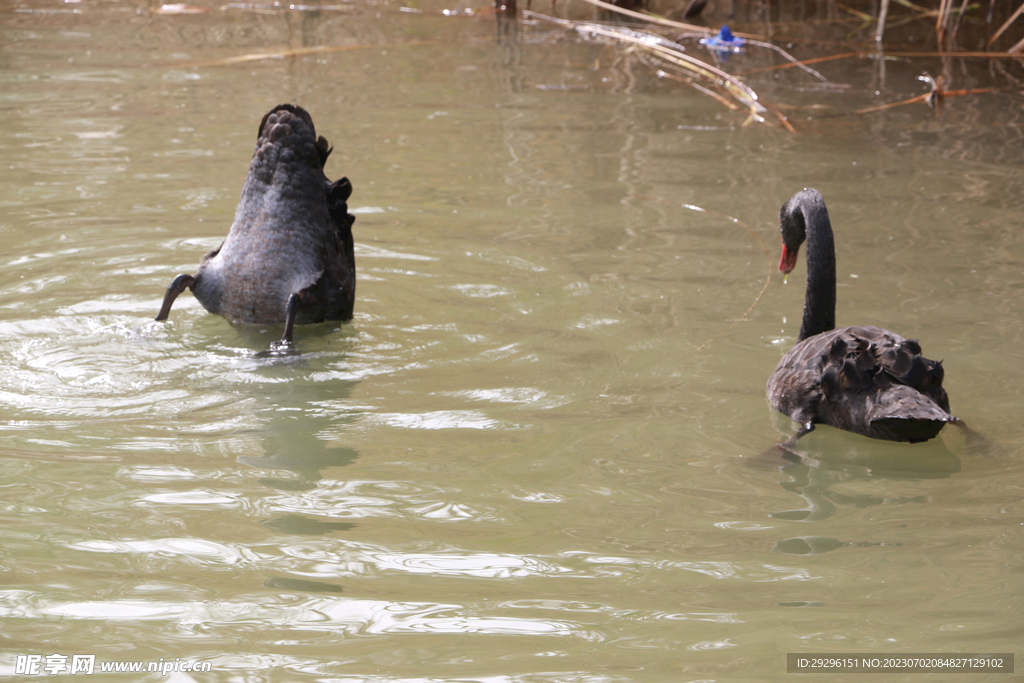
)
(787, 262)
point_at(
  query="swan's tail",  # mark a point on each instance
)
(904, 414)
(912, 429)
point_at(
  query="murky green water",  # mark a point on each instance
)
(541, 451)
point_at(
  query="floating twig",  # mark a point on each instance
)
(660, 73)
(815, 60)
(934, 97)
(795, 62)
(783, 119)
(883, 107)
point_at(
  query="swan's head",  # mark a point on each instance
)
(793, 225)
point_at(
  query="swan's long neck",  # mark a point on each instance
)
(820, 297)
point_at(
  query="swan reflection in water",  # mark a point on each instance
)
(830, 458)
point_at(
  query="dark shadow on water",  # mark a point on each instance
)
(298, 412)
(509, 65)
(860, 457)
(291, 442)
(302, 585)
(304, 526)
(816, 545)
(800, 603)
(300, 417)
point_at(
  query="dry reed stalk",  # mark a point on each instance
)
(700, 88)
(701, 30)
(883, 11)
(815, 60)
(1006, 25)
(942, 21)
(795, 62)
(959, 19)
(704, 30)
(1009, 54)
(891, 105)
(670, 52)
(319, 49)
(783, 119)
(963, 55)
(661, 21)
(936, 95)
(661, 73)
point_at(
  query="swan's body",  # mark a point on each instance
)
(289, 256)
(862, 379)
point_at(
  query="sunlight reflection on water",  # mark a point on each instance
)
(541, 450)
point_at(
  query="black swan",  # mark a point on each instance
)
(862, 379)
(289, 256)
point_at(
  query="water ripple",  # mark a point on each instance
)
(354, 616)
(189, 549)
(441, 419)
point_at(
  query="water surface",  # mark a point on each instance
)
(541, 451)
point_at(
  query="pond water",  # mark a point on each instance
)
(541, 451)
